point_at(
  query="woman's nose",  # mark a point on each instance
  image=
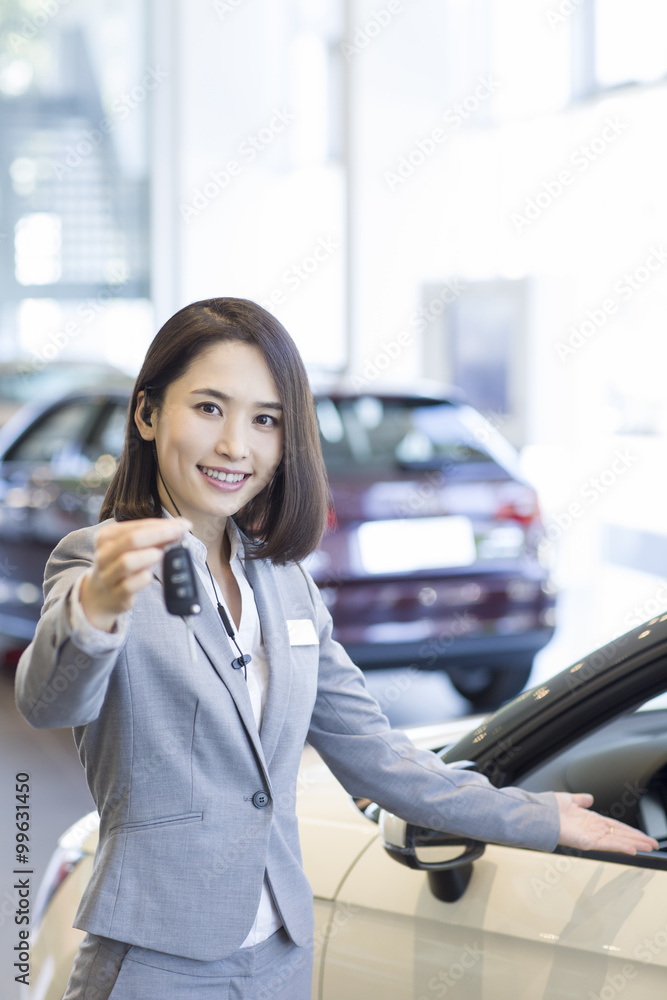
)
(232, 441)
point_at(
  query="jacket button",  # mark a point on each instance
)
(261, 799)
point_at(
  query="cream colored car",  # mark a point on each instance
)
(406, 914)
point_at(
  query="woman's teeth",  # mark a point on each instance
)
(224, 477)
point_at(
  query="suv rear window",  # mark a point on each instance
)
(371, 435)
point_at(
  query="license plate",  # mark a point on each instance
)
(412, 544)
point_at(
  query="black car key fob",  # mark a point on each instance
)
(180, 582)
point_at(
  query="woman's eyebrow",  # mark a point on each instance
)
(225, 398)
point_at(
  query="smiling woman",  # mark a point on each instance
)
(193, 763)
(235, 339)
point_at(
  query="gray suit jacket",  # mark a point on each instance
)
(173, 760)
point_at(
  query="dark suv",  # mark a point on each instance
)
(431, 558)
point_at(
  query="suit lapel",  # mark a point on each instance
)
(261, 577)
(211, 636)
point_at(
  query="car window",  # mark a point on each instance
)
(57, 433)
(623, 764)
(371, 435)
(109, 435)
(655, 704)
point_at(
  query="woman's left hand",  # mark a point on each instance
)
(588, 831)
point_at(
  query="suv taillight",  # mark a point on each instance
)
(523, 508)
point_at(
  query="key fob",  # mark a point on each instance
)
(180, 582)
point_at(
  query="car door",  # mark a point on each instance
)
(530, 924)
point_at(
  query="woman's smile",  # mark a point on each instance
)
(225, 480)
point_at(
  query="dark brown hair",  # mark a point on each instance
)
(286, 520)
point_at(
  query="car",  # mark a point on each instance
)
(434, 556)
(56, 458)
(436, 559)
(404, 912)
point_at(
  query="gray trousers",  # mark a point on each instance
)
(275, 969)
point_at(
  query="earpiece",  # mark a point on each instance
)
(146, 410)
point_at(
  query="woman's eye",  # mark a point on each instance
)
(209, 408)
(267, 420)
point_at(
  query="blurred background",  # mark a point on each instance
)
(470, 191)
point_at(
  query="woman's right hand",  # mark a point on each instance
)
(586, 830)
(125, 551)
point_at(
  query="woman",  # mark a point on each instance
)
(191, 748)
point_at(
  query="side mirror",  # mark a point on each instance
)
(412, 845)
(406, 843)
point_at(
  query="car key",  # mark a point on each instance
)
(181, 595)
(180, 582)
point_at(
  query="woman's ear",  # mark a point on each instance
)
(143, 417)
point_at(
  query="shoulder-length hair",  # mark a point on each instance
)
(285, 521)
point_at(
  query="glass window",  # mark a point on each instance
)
(76, 92)
(373, 435)
(55, 435)
(109, 434)
(623, 764)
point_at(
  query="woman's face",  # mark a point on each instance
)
(218, 434)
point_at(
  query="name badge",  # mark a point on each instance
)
(302, 632)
